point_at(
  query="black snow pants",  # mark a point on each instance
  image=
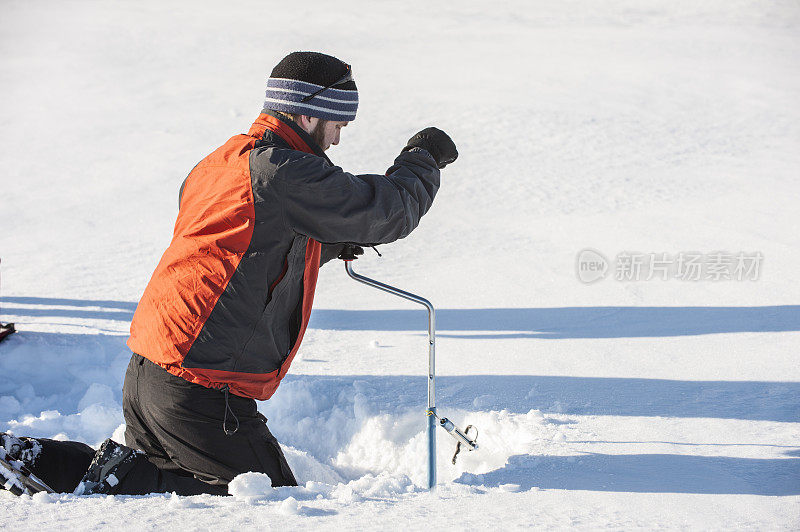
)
(179, 425)
(196, 439)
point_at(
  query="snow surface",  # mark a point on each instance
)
(660, 126)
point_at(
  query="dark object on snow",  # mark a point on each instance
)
(6, 329)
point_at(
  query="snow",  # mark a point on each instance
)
(250, 486)
(658, 127)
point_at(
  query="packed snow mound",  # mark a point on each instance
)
(250, 486)
(256, 488)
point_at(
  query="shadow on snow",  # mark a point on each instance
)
(542, 323)
(102, 309)
(570, 322)
(749, 400)
(647, 473)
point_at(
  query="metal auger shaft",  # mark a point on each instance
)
(431, 411)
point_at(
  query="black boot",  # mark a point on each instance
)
(110, 465)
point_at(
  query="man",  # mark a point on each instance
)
(228, 304)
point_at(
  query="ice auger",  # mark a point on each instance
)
(348, 254)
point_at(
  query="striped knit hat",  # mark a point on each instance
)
(312, 84)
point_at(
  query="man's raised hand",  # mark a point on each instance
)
(437, 143)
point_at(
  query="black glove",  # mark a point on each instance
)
(437, 143)
(349, 252)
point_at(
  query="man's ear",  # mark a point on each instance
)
(307, 123)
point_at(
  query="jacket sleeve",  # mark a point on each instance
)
(330, 205)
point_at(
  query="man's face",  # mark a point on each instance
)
(326, 133)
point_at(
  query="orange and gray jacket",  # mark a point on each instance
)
(229, 302)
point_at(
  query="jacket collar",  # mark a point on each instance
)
(274, 129)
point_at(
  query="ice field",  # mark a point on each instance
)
(634, 129)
